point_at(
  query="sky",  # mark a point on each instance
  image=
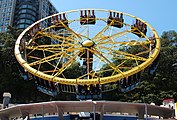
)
(160, 14)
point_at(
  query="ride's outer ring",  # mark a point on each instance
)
(103, 80)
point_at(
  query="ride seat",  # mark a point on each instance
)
(58, 21)
(139, 29)
(115, 20)
(87, 17)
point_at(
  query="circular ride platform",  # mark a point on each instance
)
(104, 109)
(87, 51)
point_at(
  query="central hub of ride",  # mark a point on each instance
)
(88, 43)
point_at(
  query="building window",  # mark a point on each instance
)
(23, 6)
(9, 9)
(7, 18)
(6, 23)
(26, 26)
(22, 20)
(5, 29)
(10, 4)
(22, 16)
(5, 5)
(8, 14)
(23, 11)
(3, 15)
(29, 21)
(29, 6)
(21, 26)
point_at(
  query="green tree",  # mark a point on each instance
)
(162, 84)
(10, 78)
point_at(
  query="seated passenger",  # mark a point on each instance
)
(153, 42)
(139, 28)
(115, 20)
(88, 17)
(144, 29)
(59, 21)
(34, 30)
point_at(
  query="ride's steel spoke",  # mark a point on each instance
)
(50, 47)
(117, 35)
(49, 28)
(48, 61)
(88, 63)
(81, 34)
(143, 52)
(81, 31)
(58, 62)
(85, 75)
(120, 66)
(54, 56)
(98, 54)
(55, 48)
(97, 67)
(34, 57)
(66, 65)
(69, 29)
(28, 54)
(57, 37)
(100, 33)
(124, 54)
(49, 58)
(127, 43)
(32, 40)
(37, 35)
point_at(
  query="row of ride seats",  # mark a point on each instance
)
(130, 81)
(89, 89)
(87, 17)
(45, 83)
(154, 65)
(115, 19)
(153, 42)
(55, 86)
(138, 28)
(34, 30)
(58, 20)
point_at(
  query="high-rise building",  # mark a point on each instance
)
(22, 13)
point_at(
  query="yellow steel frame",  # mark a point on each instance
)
(70, 47)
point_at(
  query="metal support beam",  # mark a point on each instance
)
(94, 110)
(141, 115)
(102, 112)
(146, 111)
(60, 113)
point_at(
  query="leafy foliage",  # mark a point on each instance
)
(162, 84)
(10, 78)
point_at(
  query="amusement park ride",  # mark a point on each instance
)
(87, 52)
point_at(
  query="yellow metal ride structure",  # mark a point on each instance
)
(105, 46)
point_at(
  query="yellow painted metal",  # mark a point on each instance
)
(69, 46)
(88, 43)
